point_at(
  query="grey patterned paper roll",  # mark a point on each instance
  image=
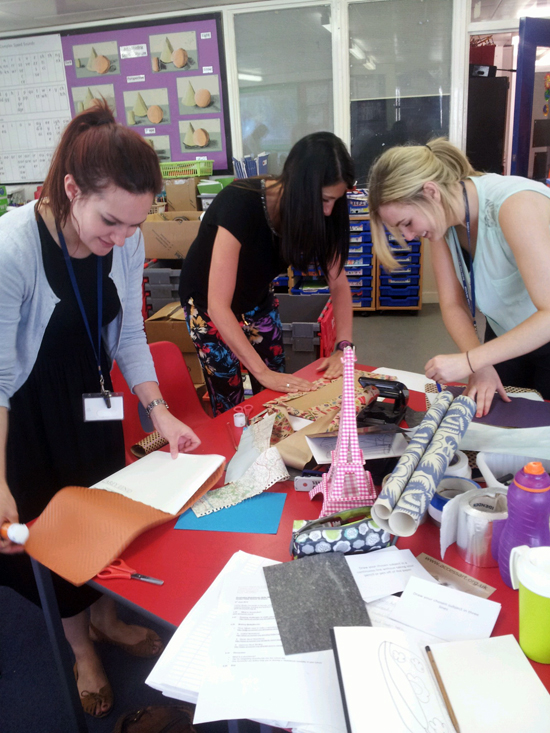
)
(393, 488)
(416, 497)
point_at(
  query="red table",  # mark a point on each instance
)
(189, 561)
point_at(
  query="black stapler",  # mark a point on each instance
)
(384, 413)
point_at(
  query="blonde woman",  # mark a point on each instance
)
(490, 246)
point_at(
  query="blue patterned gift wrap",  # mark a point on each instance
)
(416, 497)
(395, 485)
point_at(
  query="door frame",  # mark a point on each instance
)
(533, 32)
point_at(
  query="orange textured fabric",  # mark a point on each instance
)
(81, 531)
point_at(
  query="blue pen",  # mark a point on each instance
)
(438, 386)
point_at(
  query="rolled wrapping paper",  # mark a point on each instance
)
(459, 466)
(394, 486)
(449, 487)
(152, 442)
(469, 520)
(417, 495)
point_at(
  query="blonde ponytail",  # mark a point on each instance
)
(399, 175)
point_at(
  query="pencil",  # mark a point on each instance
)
(442, 690)
(232, 435)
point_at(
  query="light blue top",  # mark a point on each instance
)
(27, 303)
(501, 294)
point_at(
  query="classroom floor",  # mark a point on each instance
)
(29, 696)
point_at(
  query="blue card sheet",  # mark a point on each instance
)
(260, 514)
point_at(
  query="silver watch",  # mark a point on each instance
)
(151, 406)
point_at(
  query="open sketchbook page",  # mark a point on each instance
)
(387, 683)
(161, 481)
(492, 686)
(250, 676)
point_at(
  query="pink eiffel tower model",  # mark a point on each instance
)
(346, 485)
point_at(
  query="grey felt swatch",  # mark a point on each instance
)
(312, 595)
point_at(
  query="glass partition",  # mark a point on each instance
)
(284, 60)
(400, 75)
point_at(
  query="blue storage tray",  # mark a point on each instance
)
(359, 226)
(394, 291)
(413, 247)
(398, 302)
(360, 237)
(408, 259)
(311, 272)
(281, 281)
(360, 282)
(358, 271)
(354, 210)
(402, 272)
(358, 250)
(362, 303)
(388, 280)
(361, 292)
(358, 261)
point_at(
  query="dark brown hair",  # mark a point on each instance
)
(99, 153)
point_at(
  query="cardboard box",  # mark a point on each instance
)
(168, 324)
(168, 236)
(181, 194)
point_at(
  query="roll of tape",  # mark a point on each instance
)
(449, 487)
(468, 520)
(239, 419)
(459, 466)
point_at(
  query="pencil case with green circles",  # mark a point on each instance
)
(349, 531)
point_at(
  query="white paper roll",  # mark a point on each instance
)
(459, 466)
(468, 520)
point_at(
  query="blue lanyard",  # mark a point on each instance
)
(470, 292)
(97, 352)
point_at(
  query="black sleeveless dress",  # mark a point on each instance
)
(49, 445)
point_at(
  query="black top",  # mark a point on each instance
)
(241, 211)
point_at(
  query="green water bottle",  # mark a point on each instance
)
(530, 572)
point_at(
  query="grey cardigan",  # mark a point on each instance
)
(27, 303)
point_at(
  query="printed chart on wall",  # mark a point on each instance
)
(165, 81)
(34, 106)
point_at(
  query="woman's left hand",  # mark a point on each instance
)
(448, 368)
(179, 435)
(332, 366)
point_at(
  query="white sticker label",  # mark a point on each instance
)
(207, 69)
(150, 130)
(206, 36)
(133, 79)
(201, 157)
(68, 62)
(133, 52)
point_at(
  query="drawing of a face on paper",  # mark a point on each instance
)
(410, 687)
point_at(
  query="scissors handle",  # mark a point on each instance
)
(147, 579)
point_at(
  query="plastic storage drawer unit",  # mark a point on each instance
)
(398, 302)
(308, 331)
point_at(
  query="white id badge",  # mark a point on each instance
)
(95, 407)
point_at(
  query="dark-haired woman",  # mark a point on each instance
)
(76, 256)
(250, 234)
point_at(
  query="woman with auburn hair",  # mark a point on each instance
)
(70, 302)
(490, 246)
(252, 231)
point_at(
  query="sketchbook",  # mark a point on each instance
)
(490, 684)
(161, 481)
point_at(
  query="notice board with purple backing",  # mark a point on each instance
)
(166, 81)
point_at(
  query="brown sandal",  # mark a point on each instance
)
(91, 701)
(144, 648)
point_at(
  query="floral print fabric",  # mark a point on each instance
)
(221, 368)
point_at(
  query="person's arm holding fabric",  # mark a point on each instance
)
(221, 288)
(525, 222)
(482, 384)
(134, 358)
(340, 294)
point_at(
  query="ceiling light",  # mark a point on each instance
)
(370, 63)
(357, 52)
(249, 77)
